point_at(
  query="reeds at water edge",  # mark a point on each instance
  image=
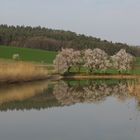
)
(21, 72)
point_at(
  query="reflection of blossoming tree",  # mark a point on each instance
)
(92, 93)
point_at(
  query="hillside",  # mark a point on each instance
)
(54, 40)
(27, 54)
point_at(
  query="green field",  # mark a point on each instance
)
(27, 54)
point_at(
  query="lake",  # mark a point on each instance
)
(71, 110)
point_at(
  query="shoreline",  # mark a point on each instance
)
(74, 77)
(101, 77)
(49, 77)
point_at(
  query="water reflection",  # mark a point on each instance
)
(106, 109)
(35, 95)
(21, 92)
(40, 95)
(93, 92)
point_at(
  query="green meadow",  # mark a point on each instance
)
(27, 54)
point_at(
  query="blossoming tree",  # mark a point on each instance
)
(122, 61)
(66, 59)
(96, 59)
(93, 60)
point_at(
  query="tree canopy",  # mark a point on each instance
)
(55, 40)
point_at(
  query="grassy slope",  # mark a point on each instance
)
(27, 54)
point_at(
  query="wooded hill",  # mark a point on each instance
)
(54, 40)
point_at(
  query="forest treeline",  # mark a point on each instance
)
(55, 40)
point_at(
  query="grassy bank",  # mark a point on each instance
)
(119, 76)
(21, 72)
(27, 54)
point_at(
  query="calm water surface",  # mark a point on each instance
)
(70, 110)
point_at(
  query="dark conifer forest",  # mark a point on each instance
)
(55, 40)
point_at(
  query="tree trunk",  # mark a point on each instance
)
(69, 69)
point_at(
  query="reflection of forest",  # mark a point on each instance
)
(40, 95)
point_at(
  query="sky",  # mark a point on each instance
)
(113, 20)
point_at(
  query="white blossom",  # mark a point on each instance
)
(122, 61)
(63, 60)
(96, 59)
(66, 59)
(93, 60)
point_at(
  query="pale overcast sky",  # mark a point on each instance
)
(116, 20)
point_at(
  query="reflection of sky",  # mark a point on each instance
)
(116, 20)
(107, 121)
